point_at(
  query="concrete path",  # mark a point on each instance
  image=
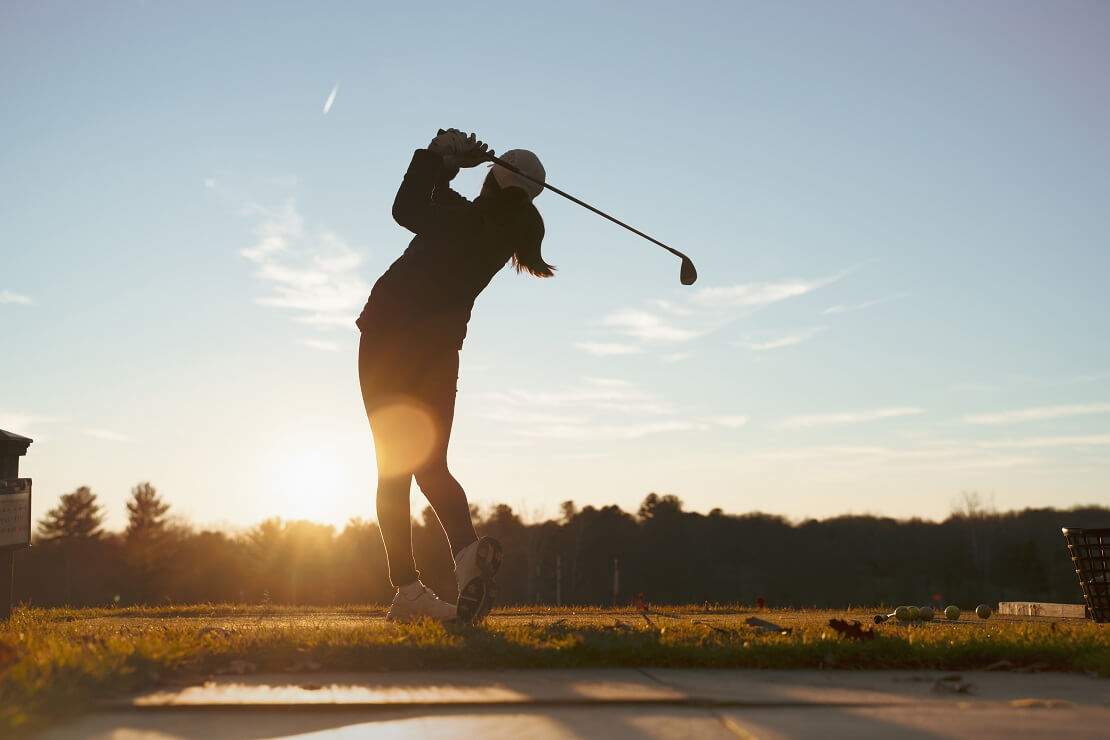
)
(613, 703)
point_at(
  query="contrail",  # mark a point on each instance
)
(331, 98)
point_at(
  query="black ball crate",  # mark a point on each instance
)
(1090, 553)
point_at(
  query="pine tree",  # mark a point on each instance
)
(146, 514)
(74, 522)
(76, 517)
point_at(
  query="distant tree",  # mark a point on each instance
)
(970, 505)
(659, 507)
(146, 514)
(73, 524)
(147, 543)
(76, 517)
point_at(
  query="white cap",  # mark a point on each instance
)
(526, 162)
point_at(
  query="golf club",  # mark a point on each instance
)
(687, 274)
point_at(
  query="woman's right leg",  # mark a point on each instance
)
(443, 491)
(393, 483)
(396, 528)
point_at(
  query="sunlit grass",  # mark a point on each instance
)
(59, 661)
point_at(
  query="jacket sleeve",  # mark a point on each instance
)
(425, 203)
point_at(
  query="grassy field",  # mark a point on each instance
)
(55, 662)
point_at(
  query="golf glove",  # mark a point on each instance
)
(458, 149)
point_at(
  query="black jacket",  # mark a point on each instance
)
(426, 296)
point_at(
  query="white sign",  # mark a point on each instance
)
(15, 512)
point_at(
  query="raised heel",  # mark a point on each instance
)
(490, 555)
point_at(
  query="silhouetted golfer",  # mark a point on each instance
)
(408, 359)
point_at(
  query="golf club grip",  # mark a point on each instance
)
(568, 196)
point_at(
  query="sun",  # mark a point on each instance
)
(308, 484)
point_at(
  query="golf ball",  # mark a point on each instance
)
(902, 614)
(983, 611)
(926, 613)
(952, 612)
(915, 614)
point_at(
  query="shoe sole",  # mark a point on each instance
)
(477, 597)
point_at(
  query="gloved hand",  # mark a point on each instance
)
(458, 149)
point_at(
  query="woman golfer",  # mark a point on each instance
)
(408, 358)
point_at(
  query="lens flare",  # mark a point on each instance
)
(405, 435)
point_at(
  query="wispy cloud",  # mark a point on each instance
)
(106, 434)
(606, 349)
(1038, 414)
(847, 417)
(320, 345)
(973, 387)
(331, 98)
(676, 356)
(516, 415)
(1075, 440)
(706, 311)
(594, 408)
(733, 422)
(840, 308)
(672, 307)
(951, 457)
(25, 424)
(753, 295)
(314, 276)
(785, 340)
(7, 296)
(610, 431)
(608, 394)
(649, 326)
(1085, 378)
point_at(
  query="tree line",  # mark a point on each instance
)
(660, 554)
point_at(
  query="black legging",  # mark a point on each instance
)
(409, 394)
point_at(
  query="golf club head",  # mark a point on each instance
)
(688, 275)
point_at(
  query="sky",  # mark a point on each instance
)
(898, 212)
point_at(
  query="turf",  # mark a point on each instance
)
(56, 662)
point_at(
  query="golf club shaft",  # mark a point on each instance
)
(568, 196)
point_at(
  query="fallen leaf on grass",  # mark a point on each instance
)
(853, 630)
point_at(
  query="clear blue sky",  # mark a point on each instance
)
(898, 212)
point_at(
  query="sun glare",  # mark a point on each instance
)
(307, 484)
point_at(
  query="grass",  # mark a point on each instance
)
(57, 662)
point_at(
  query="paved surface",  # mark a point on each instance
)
(613, 703)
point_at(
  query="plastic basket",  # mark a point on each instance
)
(1090, 552)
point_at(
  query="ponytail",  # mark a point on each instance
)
(528, 259)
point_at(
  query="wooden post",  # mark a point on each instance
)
(558, 580)
(7, 576)
(616, 579)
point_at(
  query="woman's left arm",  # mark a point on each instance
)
(426, 205)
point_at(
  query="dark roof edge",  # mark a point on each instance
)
(15, 439)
